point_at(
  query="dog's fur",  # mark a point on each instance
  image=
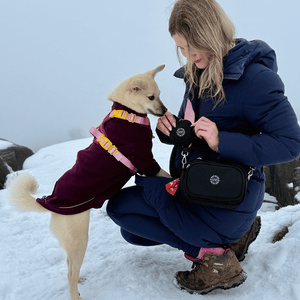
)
(141, 94)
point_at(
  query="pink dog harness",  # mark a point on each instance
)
(106, 144)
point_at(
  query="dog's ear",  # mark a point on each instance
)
(138, 85)
(156, 70)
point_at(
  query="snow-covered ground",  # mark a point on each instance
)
(33, 266)
(5, 144)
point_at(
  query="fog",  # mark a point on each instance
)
(60, 58)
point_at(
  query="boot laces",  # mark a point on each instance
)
(197, 264)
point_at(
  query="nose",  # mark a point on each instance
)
(164, 110)
(190, 55)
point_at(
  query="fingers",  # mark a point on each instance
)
(204, 124)
(202, 120)
(205, 128)
(166, 122)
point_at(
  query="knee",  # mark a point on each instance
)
(129, 237)
(119, 203)
(123, 202)
(111, 209)
(137, 240)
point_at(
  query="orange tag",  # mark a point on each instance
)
(172, 186)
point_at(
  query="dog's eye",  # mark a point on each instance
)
(151, 97)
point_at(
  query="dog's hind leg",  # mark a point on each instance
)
(72, 232)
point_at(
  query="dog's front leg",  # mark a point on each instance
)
(163, 173)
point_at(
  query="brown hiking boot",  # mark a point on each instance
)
(240, 247)
(212, 272)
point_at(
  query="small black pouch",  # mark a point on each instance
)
(213, 183)
(183, 134)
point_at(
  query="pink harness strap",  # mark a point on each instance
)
(132, 118)
(106, 144)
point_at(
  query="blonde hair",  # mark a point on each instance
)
(205, 26)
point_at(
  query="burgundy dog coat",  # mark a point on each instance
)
(97, 175)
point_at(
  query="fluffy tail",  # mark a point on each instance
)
(20, 190)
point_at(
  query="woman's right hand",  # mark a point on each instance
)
(165, 123)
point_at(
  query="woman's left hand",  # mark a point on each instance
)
(205, 128)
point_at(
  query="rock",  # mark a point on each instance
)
(4, 171)
(12, 157)
(280, 234)
(283, 182)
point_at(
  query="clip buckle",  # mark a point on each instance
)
(119, 114)
(131, 118)
(107, 145)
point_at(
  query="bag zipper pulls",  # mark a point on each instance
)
(184, 153)
(250, 173)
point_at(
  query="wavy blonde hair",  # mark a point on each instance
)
(205, 26)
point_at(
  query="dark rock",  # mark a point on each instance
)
(278, 178)
(12, 158)
(4, 171)
(280, 234)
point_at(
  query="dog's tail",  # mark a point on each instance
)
(21, 189)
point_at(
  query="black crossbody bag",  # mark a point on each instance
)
(208, 182)
(213, 183)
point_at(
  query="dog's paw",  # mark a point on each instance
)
(81, 279)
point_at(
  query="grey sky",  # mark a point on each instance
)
(60, 59)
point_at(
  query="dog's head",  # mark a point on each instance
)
(140, 93)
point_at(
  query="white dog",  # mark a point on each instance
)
(121, 146)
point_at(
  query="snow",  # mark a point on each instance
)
(33, 265)
(5, 144)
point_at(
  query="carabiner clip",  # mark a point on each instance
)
(184, 154)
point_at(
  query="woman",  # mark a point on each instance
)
(242, 116)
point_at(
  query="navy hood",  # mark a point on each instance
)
(244, 53)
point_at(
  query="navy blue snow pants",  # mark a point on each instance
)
(140, 223)
(148, 215)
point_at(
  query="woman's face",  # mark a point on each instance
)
(199, 57)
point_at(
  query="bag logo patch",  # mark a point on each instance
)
(180, 132)
(215, 179)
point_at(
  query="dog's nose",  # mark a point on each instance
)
(164, 110)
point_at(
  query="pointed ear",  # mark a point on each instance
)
(138, 85)
(156, 70)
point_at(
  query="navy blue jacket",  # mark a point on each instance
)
(255, 94)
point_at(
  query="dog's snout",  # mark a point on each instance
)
(164, 110)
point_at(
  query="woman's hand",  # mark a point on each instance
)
(165, 123)
(205, 128)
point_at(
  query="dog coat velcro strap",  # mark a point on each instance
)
(107, 145)
(132, 118)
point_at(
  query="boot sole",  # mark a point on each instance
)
(234, 282)
(251, 238)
